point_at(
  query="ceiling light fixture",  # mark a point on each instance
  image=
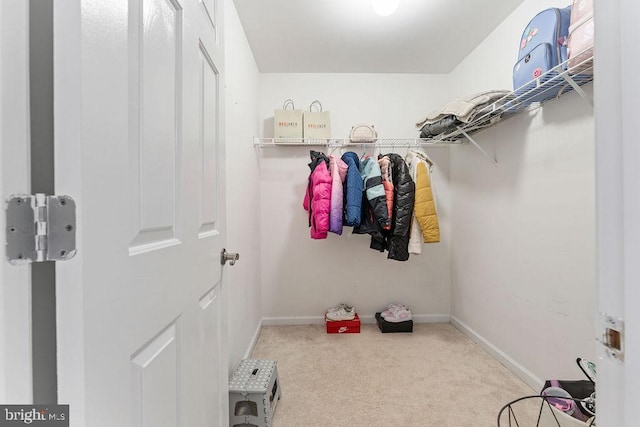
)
(385, 7)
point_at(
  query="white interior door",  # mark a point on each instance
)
(16, 378)
(138, 145)
(618, 179)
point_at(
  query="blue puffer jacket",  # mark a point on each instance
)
(353, 187)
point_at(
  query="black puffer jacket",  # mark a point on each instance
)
(375, 214)
(404, 189)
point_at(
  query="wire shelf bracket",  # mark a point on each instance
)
(577, 88)
(475, 144)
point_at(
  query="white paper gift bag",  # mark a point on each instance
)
(287, 123)
(317, 124)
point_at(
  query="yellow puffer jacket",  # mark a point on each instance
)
(425, 206)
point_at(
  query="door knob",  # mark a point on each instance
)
(228, 256)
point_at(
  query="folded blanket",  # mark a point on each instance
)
(466, 109)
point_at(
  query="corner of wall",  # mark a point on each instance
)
(254, 341)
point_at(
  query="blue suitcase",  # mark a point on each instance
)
(542, 47)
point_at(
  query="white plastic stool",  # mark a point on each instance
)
(254, 391)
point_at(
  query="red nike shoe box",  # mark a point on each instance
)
(343, 326)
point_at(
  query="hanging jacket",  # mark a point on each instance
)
(317, 198)
(367, 224)
(375, 216)
(374, 190)
(404, 195)
(425, 213)
(352, 189)
(387, 183)
(415, 237)
(338, 170)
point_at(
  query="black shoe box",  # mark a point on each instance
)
(387, 327)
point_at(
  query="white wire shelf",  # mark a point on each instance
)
(346, 142)
(551, 85)
(548, 86)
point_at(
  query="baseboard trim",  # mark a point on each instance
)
(520, 371)
(431, 318)
(254, 340)
(364, 318)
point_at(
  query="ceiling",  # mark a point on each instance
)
(347, 36)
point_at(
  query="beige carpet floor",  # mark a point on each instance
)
(434, 376)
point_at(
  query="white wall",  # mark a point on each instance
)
(391, 102)
(302, 277)
(242, 283)
(523, 232)
(490, 65)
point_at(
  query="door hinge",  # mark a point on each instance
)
(612, 336)
(40, 228)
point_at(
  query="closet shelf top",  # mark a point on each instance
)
(553, 84)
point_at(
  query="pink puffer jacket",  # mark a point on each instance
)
(338, 170)
(317, 199)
